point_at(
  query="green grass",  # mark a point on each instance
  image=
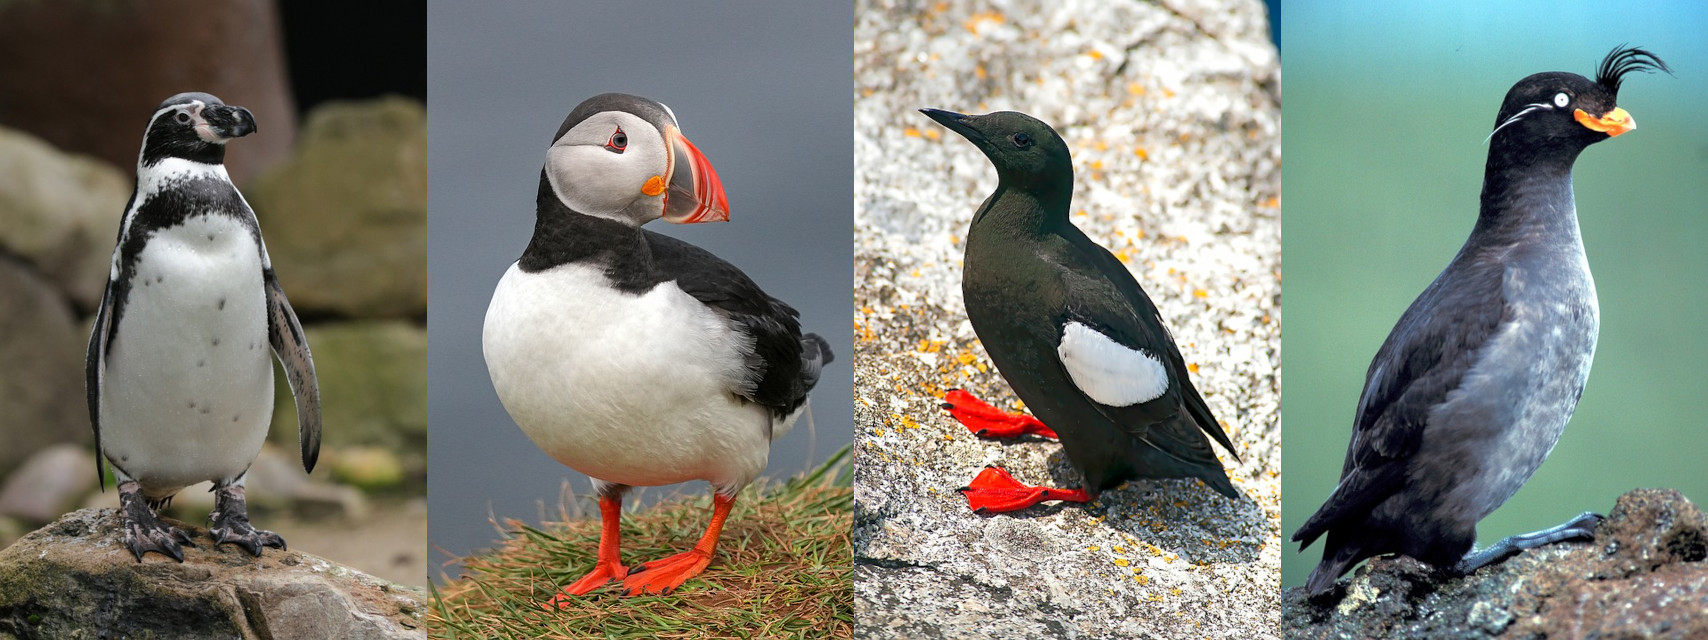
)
(783, 569)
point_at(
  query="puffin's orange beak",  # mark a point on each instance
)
(1614, 123)
(695, 193)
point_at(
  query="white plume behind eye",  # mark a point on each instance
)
(1107, 371)
(591, 179)
(1515, 117)
(1561, 99)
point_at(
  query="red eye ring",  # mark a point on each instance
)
(618, 141)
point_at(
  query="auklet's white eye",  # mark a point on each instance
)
(1561, 99)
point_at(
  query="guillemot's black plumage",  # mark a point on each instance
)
(1479, 377)
(634, 357)
(1071, 330)
(181, 337)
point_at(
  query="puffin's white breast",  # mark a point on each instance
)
(630, 389)
(188, 391)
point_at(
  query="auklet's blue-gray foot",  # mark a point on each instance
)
(1071, 331)
(633, 357)
(1476, 382)
(179, 376)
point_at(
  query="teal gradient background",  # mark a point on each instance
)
(1386, 107)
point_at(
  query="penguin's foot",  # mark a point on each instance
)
(994, 491)
(986, 421)
(1581, 527)
(144, 532)
(609, 566)
(229, 522)
(664, 575)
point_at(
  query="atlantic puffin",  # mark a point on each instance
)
(1477, 380)
(1071, 331)
(630, 356)
(179, 367)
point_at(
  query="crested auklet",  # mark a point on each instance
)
(1476, 382)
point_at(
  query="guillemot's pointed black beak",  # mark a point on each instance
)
(227, 122)
(956, 122)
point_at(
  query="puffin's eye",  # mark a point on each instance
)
(1021, 140)
(1561, 99)
(618, 142)
(183, 118)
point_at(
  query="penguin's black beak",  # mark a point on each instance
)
(226, 122)
(957, 123)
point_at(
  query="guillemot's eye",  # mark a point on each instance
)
(1021, 140)
(1561, 99)
(183, 118)
(618, 142)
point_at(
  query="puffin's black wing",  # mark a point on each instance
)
(1424, 358)
(1104, 295)
(784, 365)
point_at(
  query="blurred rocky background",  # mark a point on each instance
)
(337, 174)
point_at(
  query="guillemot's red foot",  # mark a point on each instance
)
(994, 491)
(986, 421)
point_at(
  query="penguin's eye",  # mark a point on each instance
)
(618, 142)
(1021, 140)
(1561, 99)
(183, 118)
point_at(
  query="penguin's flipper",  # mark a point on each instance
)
(95, 369)
(285, 333)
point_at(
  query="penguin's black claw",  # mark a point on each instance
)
(144, 532)
(229, 522)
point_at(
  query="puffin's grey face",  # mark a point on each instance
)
(617, 165)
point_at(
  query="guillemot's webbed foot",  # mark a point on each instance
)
(144, 531)
(994, 491)
(229, 522)
(986, 421)
(1581, 527)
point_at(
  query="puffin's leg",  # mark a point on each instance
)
(229, 520)
(144, 532)
(666, 574)
(609, 566)
(1581, 527)
(994, 491)
(986, 421)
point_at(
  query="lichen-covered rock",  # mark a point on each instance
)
(60, 212)
(345, 215)
(41, 367)
(373, 389)
(1173, 117)
(75, 578)
(1644, 576)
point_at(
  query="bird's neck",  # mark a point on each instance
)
(563, 235)
(1023, 211)
(1526, 193)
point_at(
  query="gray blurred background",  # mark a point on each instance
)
(764, 92)
(1386, 109)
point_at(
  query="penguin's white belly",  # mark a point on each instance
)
(188, 391)
(629, 389)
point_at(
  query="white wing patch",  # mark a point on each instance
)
(1108, 372)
